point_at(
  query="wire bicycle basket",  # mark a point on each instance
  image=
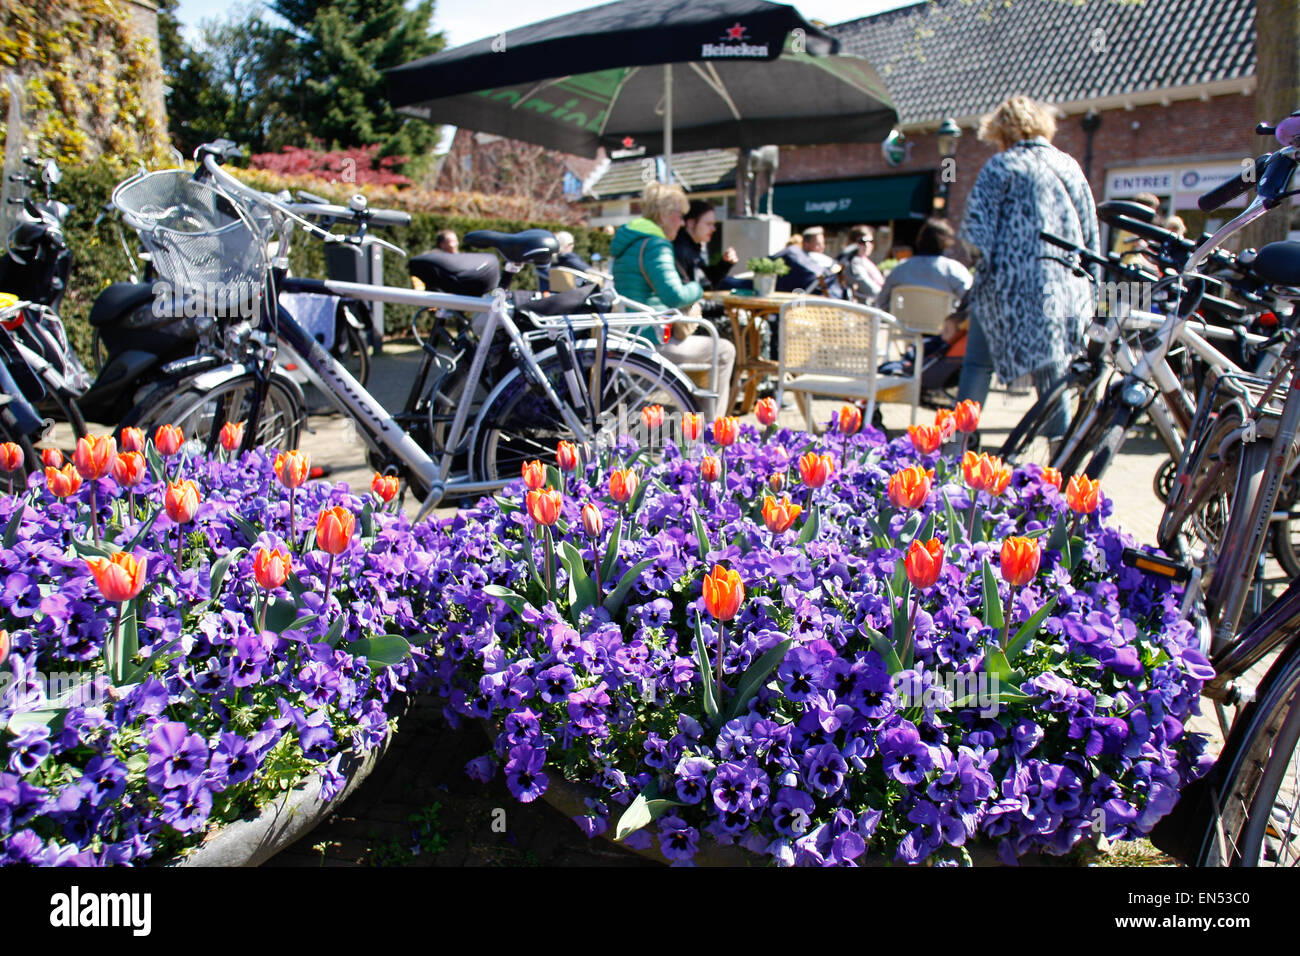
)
(208, 249)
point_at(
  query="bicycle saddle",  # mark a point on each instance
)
(1110, 211)
(1279, 263)
(537, 246)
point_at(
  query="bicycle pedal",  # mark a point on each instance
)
(1155, 564)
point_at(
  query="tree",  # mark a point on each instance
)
(343, 49)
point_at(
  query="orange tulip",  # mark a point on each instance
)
(51, 458)
(985, 472)
(168, 439)
(534, 473)
(232, 435)
(999, 479)
(779, 516)
(271, 568)
(622, 484)
(967, 414)
(653, 416)
(292, 468)
(923, 563)
(692, 426)
(723, 593)
(11, 457)
(63, 481)
(725, 430)
(94, 456)
(385, 486)
(334, 528)
(181, 500)
(910, 487)
(815, 469)
(4, 646)
(850, 422)
(129, 469)
(926, 439)
(1020, 557)
(1052, 477)
(566, 456)
(544, 505)
(946, 422)
(132, 440)
(593, 522)
(120, 577)
(710, 468)
(1083, 495)
(765, 411)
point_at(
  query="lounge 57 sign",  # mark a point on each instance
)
(732, 44)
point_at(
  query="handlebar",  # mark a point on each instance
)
(1234, 186)
(375, 217)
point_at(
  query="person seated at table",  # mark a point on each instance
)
(691, 248)
(861, 274)
(566, 256)
(808, 273)
(929, 265)
(645, 270)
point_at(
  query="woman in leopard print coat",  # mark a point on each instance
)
(1027, 313)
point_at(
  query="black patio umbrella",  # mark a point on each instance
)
(650, 76)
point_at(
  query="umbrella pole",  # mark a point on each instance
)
(668, 123)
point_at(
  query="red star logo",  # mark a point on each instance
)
(736, 33)
(627, 142)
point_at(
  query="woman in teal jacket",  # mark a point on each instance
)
(645, 270)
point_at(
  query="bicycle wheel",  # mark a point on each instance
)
(200, 414)
(519, 423)
(351, 352)
(1198, 503)
(1286, 533)
(1260, 803)
(1028, 442)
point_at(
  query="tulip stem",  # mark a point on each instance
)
(722, 454)
(1006, 617)
(906, 649)
(94, 513)
(595, 568)
(550, 561)
(180, 547)
(293, 544)
(263, 600)
(722, 640)
(974, 506)
(329, 579)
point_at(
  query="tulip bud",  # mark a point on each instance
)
(623, 484)
(850, 422)
(63, 482)
(120, 577)
(168, 439)
(815, 469)
(910, 487)
(384, 486)
(723, 593)
(232, 436)
(534, 473)
(593, 522)
(11, 457)
(292, 468)
(967, 415)
(692, 426)
(926, 439)
(132, 440)
(4, 647)
(94, 456)
(1083, 494)
(710, 468)
(946, 422)
(271, 568)
(566, 456)
(334, 528)
(544, 505)
(129, 469)
(181, 501)
(776, 481)
(653, 416)
(51, 458)
(779, 517)
(1020, 557)
(765, 411)
(923, 563)
(726, 429)
(1052, 477)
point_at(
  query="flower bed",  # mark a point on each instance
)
(909, 667)
(133, 728)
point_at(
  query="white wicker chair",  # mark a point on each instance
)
(920, 312)
(833, 348)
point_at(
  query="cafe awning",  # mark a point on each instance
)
(871, 199)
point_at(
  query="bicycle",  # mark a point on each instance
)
(586, 390)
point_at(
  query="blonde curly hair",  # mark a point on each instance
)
(1017, 118)
(661, 200)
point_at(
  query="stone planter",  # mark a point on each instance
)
(284, 821)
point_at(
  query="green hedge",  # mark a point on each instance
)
(99, 260)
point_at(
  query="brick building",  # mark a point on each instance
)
(1169, 85)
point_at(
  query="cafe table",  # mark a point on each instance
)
(746, 314)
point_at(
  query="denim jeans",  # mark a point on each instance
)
(977, 376)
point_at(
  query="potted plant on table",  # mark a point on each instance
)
(766, 271)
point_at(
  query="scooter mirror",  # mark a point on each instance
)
(51, 173)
